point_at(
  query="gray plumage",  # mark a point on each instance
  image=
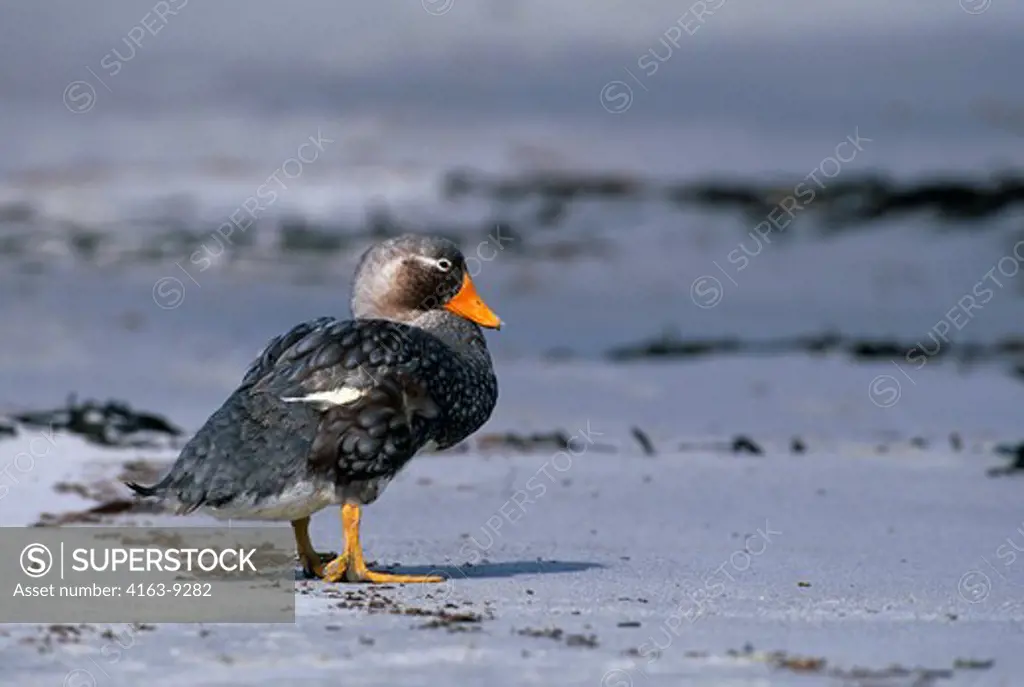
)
(331, 410)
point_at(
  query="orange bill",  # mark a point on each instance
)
(466, 303)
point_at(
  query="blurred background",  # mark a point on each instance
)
(182, 180)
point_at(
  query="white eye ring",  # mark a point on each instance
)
(444, 264)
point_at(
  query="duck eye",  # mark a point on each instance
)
(444, 264)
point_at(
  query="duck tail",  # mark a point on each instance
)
(145, 491)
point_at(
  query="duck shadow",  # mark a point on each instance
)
(484, 571)
(497, 570)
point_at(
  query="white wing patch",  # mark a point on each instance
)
(341, 396)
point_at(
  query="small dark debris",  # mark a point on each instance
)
(669, 345)
(8, 428)
(955, 442)
(803, 584)
(744, 444)
(972, 664)
(644, 441)
(745, 652)
(796, 445)
(113, 423)
(919, 442)
(374, 601)
(799, 664)
(549, 633)
(65, 633)
(807, 665)
(922, 676)
(453, 622)
(629, 623)
(461, 617)
(873, 350)
(1016, 453)
(96, 514)
(588, 641)
(558, 440)
(558, 634)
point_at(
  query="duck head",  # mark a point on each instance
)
(405, 277)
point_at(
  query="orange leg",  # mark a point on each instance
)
(350, 566)
(308, 556)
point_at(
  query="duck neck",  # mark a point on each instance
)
(462, 336)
